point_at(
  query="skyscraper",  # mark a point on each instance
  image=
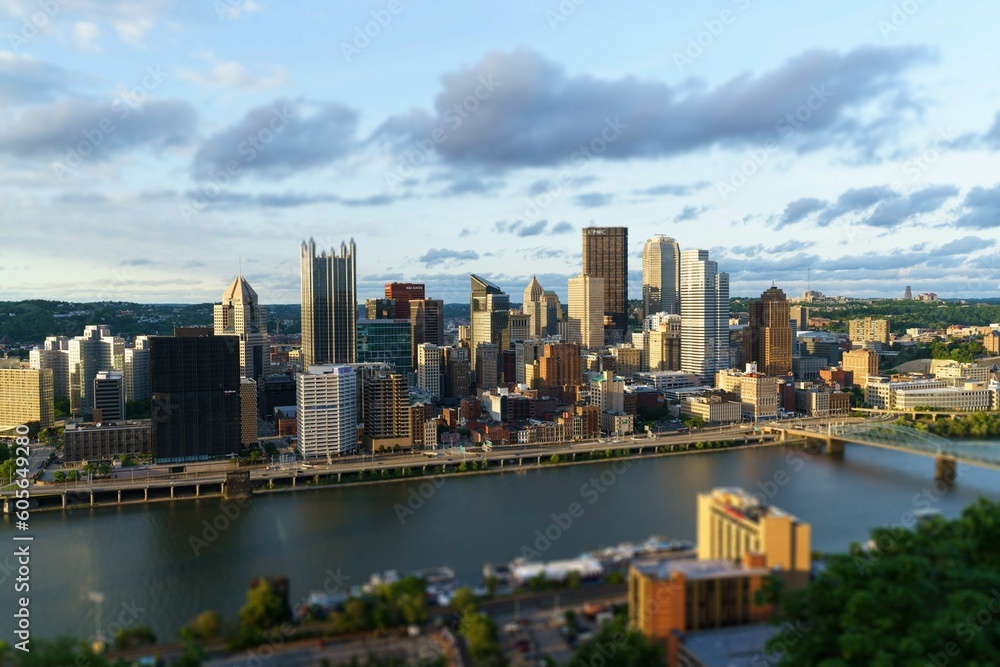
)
(768, 340)
(585, 323)
(96, 350)
(386, 411)
(240, 314)
(489, 310)
(380, 309)
(329, 305)
(26, 398)
(109, 396)
(386, 341)
(605, 255)
(54, 356)
(705, 316)
(429, 368)
(426, 323)
(136, 370)
(661, 276)
(327, 418)
(402, 294)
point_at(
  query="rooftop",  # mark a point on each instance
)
(695, 569)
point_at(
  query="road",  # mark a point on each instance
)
(337, 653)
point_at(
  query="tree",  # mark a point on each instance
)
(134, 637)
(59, 476)
(618, 646)
(206, 625)
(917, 597)
(264, 608)
(60, 653)
(481, 636)
(463, 600)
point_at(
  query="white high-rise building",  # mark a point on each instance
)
(327, 402)
(661, 276)
(96, 350)
(54, 355)
(704, 316)
(429, 368)
(240, 314)
(585, 323)
(136, 371)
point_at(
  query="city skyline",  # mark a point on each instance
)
(859, 145)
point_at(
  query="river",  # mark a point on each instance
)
(159, 564)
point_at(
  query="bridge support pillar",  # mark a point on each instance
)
(119, 496)
(91, 498)
(539, 460)
(171, 491)
(945, 469)
(197, 490)
(834, 446)
(574, 456)
(520, 462)
(145, 494)
(63, 502)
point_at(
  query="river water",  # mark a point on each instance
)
(160, 564)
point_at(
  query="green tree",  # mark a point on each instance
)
(463, 600)
(481, 637)
(60, 652)
(615, 645)
(206, 625)
(134, 637)
(917, 594)
(59, 476)
(264, 608)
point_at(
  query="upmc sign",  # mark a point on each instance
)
(597, 232)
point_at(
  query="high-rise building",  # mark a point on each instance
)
(329, 305)
(704, 315)
(552, 313)
(585, 322)
(248, 412)
(868, 330)
(607, 391)
(26, 397)
(386, 341)
(426, 323)
(487, 366)
(457, 372)
(274, 391)
(663, 344)
(387, 411)
(327, 417)
(907, 293)
(768, 338)
(518, 326)
(54, 356)
(799, 315)
(661, 276)
(526, 352)
(96, 350)
(862, 363)
(532, 305)
(429, 364)
(136, 370)
(489, 310)
(403, 294)
(109, 396)
(240, 314)
(196, 396)
(380, 309)
(559, 366)
(605, 255)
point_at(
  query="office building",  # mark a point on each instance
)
(429, 364)
(107, 441)
(663, 344)
(380, 309)
(386, 412)
(661, 276)
(196, 396)
(758, 392)
(768, 338)
(628, 360)
(667, 381)
(248, 412)
(862, 363)
(109, 397)
(386, 341)
(487, 366)
(552, 314)
(426, 323)
(868, 330)
(362, 372)
(402, 294)
(329, 305)
(457, 372)
(326, 412)
(560, 365)
(704, 316)
(54, 356)
(585, 320)
(605, 255)
(800, 315)
(274, 391)
(96, 350)
(711, 408)
(733, 523)
(823, 344)
(959, 371)
(607, 391)
(966, 397)
(542, 314)
(26, 397)
(518, 326)
(240, 314)
(526, 353)
(489, 309)
(136, 370)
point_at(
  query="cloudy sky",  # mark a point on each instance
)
(146, 146)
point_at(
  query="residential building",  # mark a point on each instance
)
(327, 411)
(195, 396)
(54, 356)
(107, 440)
(661, 276)
(991, 342)
(386, 341)
(329, 305)
(136, 370)
(705, 315)
(387, 412)
(109, 396)
(605, 255)
(585, 321)
(96, 350)
(429, 364)
(768, 342)
(26, 398)
(868, 330)
(240, 314)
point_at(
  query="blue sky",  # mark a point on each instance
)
(146, 147)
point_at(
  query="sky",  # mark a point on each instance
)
(149, 150)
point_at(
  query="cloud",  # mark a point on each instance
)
(471, 185)
(689, 213)
(234, 75)
(85, 36)
(443, 255)
(138, 261)
(992, 137)
(853, 201)
(286, 200)
(234, 10)
(562, 228)
(899, 209)
(672, 189)
(965, 245)
(532, 113)
(982, 208)
(280, 139)
(519, 228)
(593, 199)
(799, 209)
(24, 79)
(52, 129)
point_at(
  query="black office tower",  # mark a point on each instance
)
(196, 397)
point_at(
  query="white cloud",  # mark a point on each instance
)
(234, 75)
(85, 36)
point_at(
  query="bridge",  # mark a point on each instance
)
(946, 453)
